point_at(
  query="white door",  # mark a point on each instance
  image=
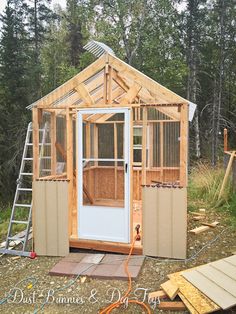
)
(103, 162)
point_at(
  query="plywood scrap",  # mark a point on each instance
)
(188, 305)
(157, 294)
(196, 302)
(172, 306)
(170, 289)
(203, 228)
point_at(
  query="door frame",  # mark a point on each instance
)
(127, 173)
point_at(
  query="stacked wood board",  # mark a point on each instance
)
(208, 288)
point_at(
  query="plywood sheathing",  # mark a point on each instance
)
(197, 302)
(218, 283)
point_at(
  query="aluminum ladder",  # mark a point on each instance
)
(26, 172)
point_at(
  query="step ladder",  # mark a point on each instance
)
(19, 204)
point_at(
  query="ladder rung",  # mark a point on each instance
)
(23, 205)
(28, 158)
(16, 239)
(45, 144)
(24, 189)
(26, 173)
(29, 144)
(46, 157)
(20, 222)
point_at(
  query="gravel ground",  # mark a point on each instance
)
(86, 295)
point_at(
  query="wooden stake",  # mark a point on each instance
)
(225, 140)
(226, 174)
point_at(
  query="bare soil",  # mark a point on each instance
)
(94, 294)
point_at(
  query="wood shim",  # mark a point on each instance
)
(203, 228)
(199, 303)
(170, 289)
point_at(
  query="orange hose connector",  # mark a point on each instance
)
(117, 304)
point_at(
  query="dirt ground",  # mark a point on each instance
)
(86, 295)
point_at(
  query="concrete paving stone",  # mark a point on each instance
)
(93, 258)
(105, 271)
(63, 269)
(85, 269)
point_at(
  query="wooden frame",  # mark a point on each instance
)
(111, 83)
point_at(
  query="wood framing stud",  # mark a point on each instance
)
(84, 94)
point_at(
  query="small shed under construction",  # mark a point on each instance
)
(97, 140)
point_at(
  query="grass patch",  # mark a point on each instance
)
(204, 187)
(5, 213)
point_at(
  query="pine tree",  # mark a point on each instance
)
(14, 91)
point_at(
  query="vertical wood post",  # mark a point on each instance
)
(53, 143)
(131, 174)
(69, 165)
(144, 145)
(35, 144)
(115, 156)
(225, 140)
(183, 144)
(162, 151)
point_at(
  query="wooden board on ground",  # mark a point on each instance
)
(157, 294)
(172, 306)
(212, 225)
(199, 302)
(170, 289)
(198, 213)
(203, 228)
(217, 280)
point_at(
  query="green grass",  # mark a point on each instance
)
(5, 213)
(203, 190)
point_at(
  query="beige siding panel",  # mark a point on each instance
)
(39, 217)
(63, 235)
(179, 222)
(225, 268)
(165, 222)
(216, 293)
(51, 216)
(149, 226)
(50, 210)
(219, 278)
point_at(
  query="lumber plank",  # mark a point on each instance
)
(157, 294)
(172, 306)
(199, 229)
(226, 174)
(197, 300)
(204, 228)
(170, 289)
(197, 213)
(216, 293)
(84, 94)
(212, 225)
